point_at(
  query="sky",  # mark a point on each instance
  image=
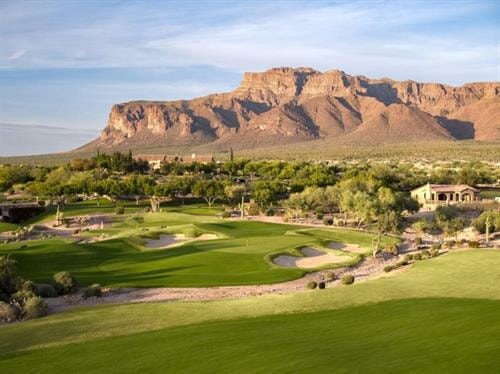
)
(64, 63)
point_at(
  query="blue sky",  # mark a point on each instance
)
(64, 63)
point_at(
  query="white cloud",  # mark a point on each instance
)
(17, 54)
(381, 38)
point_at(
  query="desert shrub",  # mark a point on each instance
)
(418, 240)
(473, 244)
(253, 210)
(321, 285)
(436, 246)
(21, 295)
(328, 221)
(463, 241)
(312, 285)
(7, 312)
(348, 279)
(391, 248)
(388, 268)
(64, 283)
(425, 254)
(434, 252)
(401, 263)
(494, 220)
(449, 244)
(94, 290)
(226, 214)
(120, 209)
(35, 307)
(417, 256)
(45, 290)
(269, 212)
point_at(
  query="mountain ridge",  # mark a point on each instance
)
(288, 105)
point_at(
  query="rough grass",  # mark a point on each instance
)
(432, 318)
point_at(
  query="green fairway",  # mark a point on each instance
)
(426, 335)
(434, 318)
(6, 226)
(240, 256)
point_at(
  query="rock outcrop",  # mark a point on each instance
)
(286, 105)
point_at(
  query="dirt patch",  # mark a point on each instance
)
(312, 258)
(352, 248)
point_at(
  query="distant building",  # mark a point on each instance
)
(444, 194)
(155, 161)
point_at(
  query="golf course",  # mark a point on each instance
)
(240, 254)
(440, 315)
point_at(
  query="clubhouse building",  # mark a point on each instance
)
(444, 194)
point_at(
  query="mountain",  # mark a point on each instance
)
(288, 105)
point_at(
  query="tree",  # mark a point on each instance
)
(265, 191)
(234, 193)
(209, 190)
(386, 222)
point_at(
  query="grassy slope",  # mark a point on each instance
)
(236, 258)
(418, 326)
(5, 226)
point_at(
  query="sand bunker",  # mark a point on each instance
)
(313, 258)
(168, 241)
(352, 248)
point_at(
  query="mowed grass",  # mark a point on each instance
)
(240, 255)
(443, 315)
(6, 226)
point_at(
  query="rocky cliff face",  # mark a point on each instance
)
(285, 105)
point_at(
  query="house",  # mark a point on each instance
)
(155, 161)
(444, 194)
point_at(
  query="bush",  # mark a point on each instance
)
(319, 215)
(321, 285)
(35, 307)
(120, 209)
(473, 244)
(436, 246)
(328, 221)
(348, 279)
(391, 248)
(253, 210)
(311, 285)
(434, 252)
(22, 295)
(64, 283)
(450, 244)
(418, 240)
(408, 257)
(269, 212)
(389, 268)
(425, 254)
(417, 256)
(46, 290)
(7, 312)
(463, 241)
(226, 214)
(94, 290)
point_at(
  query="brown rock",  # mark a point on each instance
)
(285, 105)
